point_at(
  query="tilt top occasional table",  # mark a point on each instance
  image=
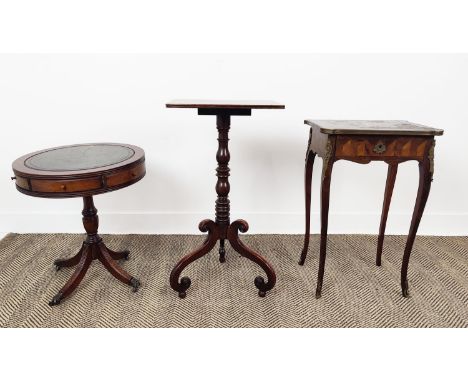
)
(364, 141)
(83, 171)
(221, 228)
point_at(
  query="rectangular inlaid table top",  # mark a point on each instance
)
(223, 104)
(369, 127)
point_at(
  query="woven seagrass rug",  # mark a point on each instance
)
(356, 293)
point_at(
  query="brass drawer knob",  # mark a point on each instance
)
(379, 148)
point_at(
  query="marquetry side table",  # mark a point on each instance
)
(221, 228)
(364, 141)
(83, 171)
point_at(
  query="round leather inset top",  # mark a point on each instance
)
(82, 157)
(79, 170)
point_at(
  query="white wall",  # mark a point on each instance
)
(49, 100)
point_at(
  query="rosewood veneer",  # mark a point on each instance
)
(393, 142)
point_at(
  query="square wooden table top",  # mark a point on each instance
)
(369, 127)
(223, 104)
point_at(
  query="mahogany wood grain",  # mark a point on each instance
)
(221, 229)
(391, 176)
(86, 176)
(93, 248)
(78, 183)
(224, 104)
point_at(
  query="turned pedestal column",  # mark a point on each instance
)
(221, 229)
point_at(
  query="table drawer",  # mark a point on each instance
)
(65, 186)
(381, 147)
(123, 177)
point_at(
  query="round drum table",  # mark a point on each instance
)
(83, 171)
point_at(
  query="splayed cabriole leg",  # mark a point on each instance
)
(93, 248)
(425, 179)
(391, 176)
(221, 229)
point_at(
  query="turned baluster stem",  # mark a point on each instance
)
(90, 220)
(223, 122)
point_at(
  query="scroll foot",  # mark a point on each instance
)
(261, 286)
(236, 243)
(184, 285)
(181, 286)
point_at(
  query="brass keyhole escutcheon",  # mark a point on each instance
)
(379, 148)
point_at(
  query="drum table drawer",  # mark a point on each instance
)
(44, 185)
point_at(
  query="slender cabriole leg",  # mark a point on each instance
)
(233, 236)
(324, 204)
(391, 176)
(425, 179)
(181, 287)
(308, 189)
